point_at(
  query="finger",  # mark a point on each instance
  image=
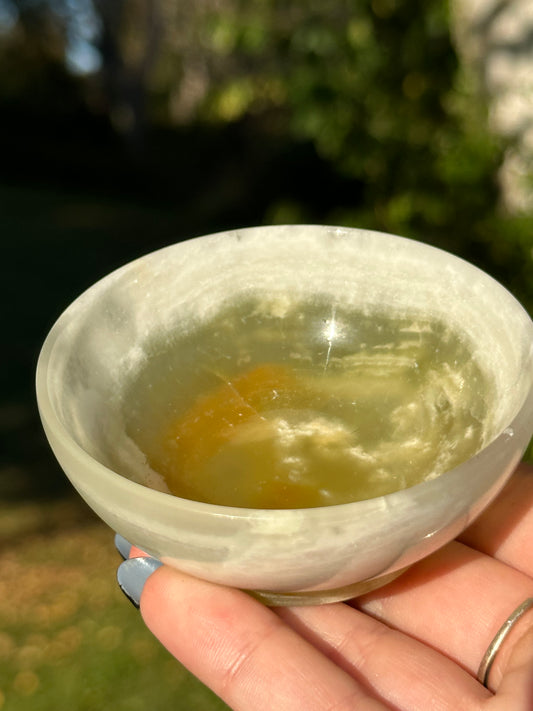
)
(126, 549)
(243, 651)
(137, 553)
(454, 601)
(515, 679)
(404, 673)
(123, 546)
(505, 529)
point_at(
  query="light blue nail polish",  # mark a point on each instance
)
(133, 574)
(123, 546)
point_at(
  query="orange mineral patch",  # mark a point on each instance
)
(214, 420)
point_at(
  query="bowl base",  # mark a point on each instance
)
(322, 597)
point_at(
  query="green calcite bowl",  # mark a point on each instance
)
(290, 556)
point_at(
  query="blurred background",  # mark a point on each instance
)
(127, 125)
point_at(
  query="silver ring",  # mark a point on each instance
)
(492, 651)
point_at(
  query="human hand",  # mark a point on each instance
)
(414, 645)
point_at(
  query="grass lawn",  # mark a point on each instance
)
(68, 637)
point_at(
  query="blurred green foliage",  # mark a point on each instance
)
(373, 88)
(377, 88)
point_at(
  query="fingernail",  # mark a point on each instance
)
(132, 576)
(123, 546)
